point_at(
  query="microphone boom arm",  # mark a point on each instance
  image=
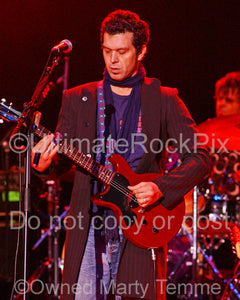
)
(40, 93)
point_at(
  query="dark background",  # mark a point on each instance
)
(193, 43)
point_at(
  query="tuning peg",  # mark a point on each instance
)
(3, 100)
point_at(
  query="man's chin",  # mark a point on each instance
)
(117, 77)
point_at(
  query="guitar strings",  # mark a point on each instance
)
(118, 186)
(97, 167)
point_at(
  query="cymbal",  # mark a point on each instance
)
(222, 131)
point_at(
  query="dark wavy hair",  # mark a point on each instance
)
(231, 81)
(121, 21)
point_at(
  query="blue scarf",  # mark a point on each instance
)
(131, 114)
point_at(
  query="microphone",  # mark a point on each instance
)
(65, 46)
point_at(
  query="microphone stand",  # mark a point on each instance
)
(41, 91)
(53, 205)
(65, 75)
(26, 208)
(50, 262)
(6, 149)
(195, 248)
(64, 78)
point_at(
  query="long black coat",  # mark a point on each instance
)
(163, 115)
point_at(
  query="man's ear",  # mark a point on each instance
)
(142, 53)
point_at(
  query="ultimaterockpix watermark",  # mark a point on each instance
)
(19, 143)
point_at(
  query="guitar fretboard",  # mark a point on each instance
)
(79, 158)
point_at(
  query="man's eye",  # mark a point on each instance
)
(228, 100)
(122, 51)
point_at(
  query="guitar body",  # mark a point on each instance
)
(149, 227)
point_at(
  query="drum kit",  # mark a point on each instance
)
(218, 220)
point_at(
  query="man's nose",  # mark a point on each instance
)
(114, 57)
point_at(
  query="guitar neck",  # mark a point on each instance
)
(80, 159)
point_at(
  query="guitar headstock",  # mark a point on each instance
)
(8, 113)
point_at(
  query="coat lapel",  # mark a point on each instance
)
(150, 105)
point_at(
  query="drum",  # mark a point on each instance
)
(222, 189)
(222, 192)
(218, 207)
(221, 181)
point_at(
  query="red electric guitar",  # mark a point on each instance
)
(149, 227)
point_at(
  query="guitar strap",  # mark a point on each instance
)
(105, 147)
(106, 144)
(104, 150)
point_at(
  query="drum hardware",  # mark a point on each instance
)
(53, 251)
(179, 263)
(233, 284)
(210, 242)
(194, 239)
(181, 273)
(186, 269)
(37, 274)
(52, 264)
(209, 260)
(221, 192)
(212, 232)
(185, 255)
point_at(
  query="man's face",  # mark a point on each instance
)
(227, 103)
(120, 55)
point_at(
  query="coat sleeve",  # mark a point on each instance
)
(66, 127)
(188, 143)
